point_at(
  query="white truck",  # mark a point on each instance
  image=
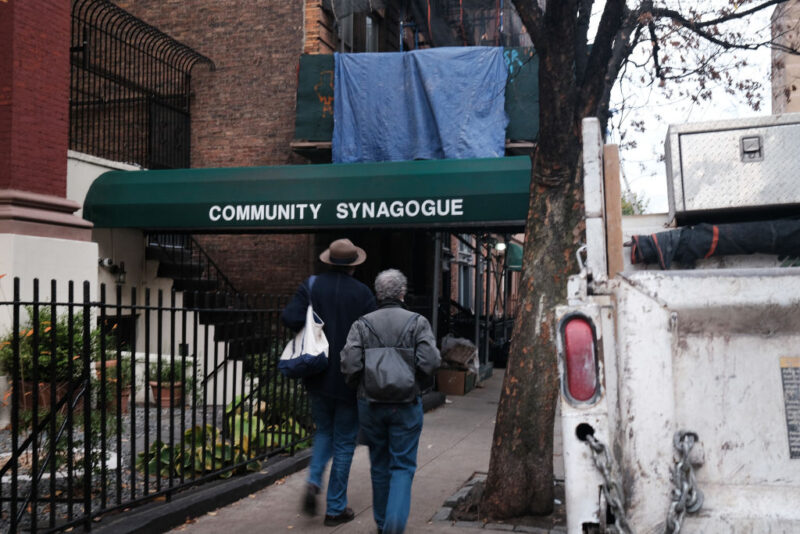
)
(680, 388)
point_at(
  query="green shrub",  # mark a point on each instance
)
(51, 335)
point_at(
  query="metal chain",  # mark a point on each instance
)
(686, 497)
(611, 489)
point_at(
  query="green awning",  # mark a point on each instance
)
(491, 193)
(514, 257)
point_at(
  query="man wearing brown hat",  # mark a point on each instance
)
(339, 299)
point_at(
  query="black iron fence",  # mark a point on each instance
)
(114, 400)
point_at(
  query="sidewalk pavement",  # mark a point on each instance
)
(455, 443)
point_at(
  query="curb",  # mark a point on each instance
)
(160, 516)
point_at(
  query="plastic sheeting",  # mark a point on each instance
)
(686, 245)
(440, 103)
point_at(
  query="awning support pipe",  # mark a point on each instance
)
(487, 311)
(506, 289)
(478, 296)
(437, 278)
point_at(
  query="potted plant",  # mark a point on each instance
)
(48, 357)
(117, 379)
(166, 382)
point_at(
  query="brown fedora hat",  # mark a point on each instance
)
(344, 253)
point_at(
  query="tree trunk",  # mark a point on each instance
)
(523, 436)
(520, 479)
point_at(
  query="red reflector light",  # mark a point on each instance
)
(580, 359)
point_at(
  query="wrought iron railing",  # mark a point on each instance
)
(129, 88)
(112, 403)
(182, 258)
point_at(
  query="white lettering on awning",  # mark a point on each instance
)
(305, 211)
(264, 212)
(398, 209)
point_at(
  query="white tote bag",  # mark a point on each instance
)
(307, 353)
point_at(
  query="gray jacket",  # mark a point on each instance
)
(388, 321)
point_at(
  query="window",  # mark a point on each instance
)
(372, 31)
(118, 329)
(346, 33)
(359, 32)
(466, 283)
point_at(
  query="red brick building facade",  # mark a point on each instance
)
(242, 115)
(34, 116)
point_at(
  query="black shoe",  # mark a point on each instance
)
(310, 500)
(345, 517)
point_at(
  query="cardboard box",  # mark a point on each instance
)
(454, 381)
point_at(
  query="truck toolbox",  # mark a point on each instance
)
(733, 165)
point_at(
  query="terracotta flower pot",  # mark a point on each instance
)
(61, 389)
(111, 387)
(161, 393)
(111, 369)
(125, 399)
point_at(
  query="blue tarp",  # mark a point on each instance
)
(438, 103)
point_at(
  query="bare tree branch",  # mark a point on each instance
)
(609, 51)
(622, 50)
(656, 47)
(581, 40)
(532, 18)
(739, 14)
(697, 27)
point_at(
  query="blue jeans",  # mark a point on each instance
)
(392, 434)
(335, 437)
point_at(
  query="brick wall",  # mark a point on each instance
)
(263, 264)
(6, 63)
(319, 35)
(34, 96)
(242, 114)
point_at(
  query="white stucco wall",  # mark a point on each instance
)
(126, 247)
(83, 169)
(31, 257)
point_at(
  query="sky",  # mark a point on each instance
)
(643, 169)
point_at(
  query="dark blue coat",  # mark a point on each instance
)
(339, 299)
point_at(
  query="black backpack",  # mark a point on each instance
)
(390, 370)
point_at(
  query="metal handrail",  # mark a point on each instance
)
(177, 244)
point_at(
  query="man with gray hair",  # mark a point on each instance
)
(387, 352)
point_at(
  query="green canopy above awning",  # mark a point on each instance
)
(490, 193)
(514, 257)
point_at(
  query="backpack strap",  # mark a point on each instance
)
(406, 327)
(399, 337)
(310, 281)
(372, 329)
